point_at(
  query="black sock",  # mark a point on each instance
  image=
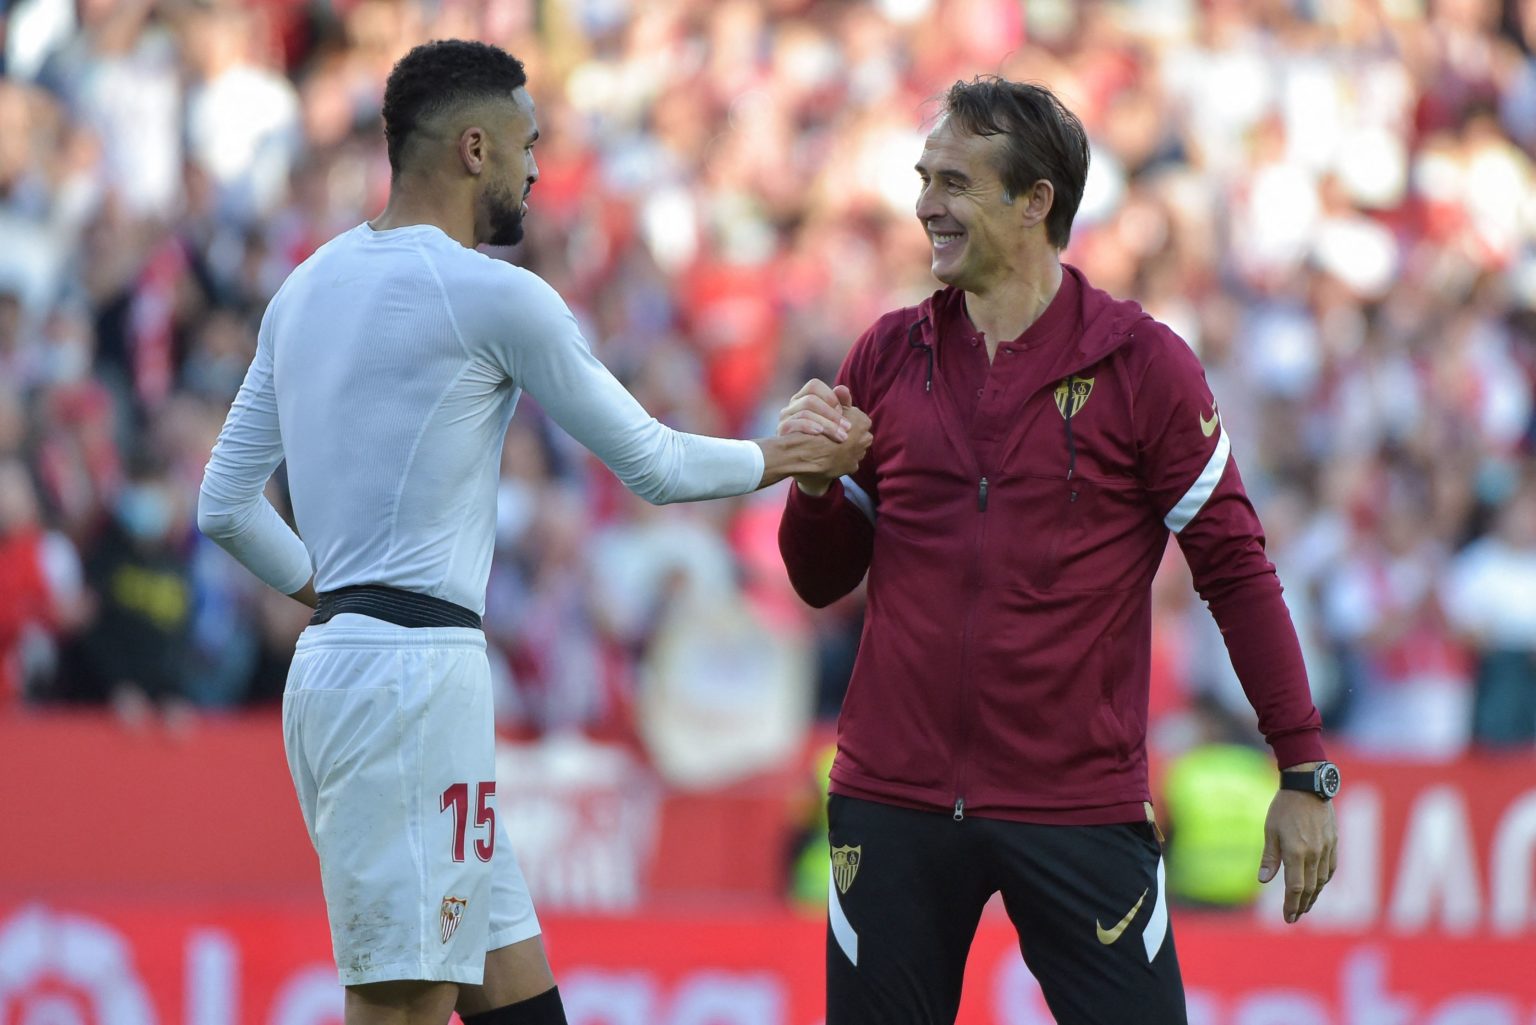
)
(544, 1009)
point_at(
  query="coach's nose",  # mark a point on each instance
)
(930, 204)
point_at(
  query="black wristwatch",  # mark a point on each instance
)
(1322, 781)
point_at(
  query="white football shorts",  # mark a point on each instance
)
(391, 742)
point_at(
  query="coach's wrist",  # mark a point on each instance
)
(815, 487)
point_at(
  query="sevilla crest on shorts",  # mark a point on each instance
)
(453, 914)
(845, 865)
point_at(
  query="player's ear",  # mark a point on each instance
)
(472, 149)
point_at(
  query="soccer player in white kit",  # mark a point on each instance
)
(387, 368)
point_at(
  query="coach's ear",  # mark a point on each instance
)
(1038, 201)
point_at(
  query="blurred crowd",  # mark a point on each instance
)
(1332, 201)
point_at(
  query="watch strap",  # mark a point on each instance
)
(1322, 781)
(1304, 780)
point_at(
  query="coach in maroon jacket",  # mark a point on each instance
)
(1035, 442)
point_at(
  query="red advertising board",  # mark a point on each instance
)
(166, 878)
(233, 964)
(1425, 847)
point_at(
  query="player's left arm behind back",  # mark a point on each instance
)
(232, 508)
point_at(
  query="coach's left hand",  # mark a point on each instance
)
(1301, 834)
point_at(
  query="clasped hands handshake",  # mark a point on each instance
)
(836, 433)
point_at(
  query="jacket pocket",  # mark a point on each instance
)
(1077, 536)
(1111, 669)
(1038, 526)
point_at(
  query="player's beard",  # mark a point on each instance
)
(504, 217)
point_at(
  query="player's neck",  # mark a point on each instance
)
(413, 201)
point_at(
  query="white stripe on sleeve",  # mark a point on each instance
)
(1200, 491)
(859, 497)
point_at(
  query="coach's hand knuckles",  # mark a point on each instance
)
(824, 425)
(827, 412)
(806, 425)
(818, 389)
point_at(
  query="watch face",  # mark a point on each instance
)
(1328, 779)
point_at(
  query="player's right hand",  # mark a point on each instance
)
(843, 458)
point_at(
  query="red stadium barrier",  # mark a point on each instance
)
(92, 809)
(66, 963)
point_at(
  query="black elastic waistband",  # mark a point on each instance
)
(392, 605)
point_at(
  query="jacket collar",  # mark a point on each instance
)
(1106, 324)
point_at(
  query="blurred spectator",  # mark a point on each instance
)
(1215, 794)
(133, 651)
(223, 640)
(118, 73)
(76, 454)
(242, 121)
(1335, 204)
(40, 590)
(551, 639)
(723, 693)
(1491, 598)
(648, 562)
(1412, 694)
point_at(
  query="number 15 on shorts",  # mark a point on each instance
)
(456, 797)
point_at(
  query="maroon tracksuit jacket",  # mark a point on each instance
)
(1010, 533)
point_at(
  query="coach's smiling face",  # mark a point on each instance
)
(979, 234)
(501, 158)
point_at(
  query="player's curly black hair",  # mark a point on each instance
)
(437, 75)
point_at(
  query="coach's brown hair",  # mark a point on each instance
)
(1042, 140)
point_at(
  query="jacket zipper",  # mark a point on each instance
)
(965, 658)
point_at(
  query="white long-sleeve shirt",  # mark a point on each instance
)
(387, 368)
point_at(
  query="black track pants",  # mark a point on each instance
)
(908, 890)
